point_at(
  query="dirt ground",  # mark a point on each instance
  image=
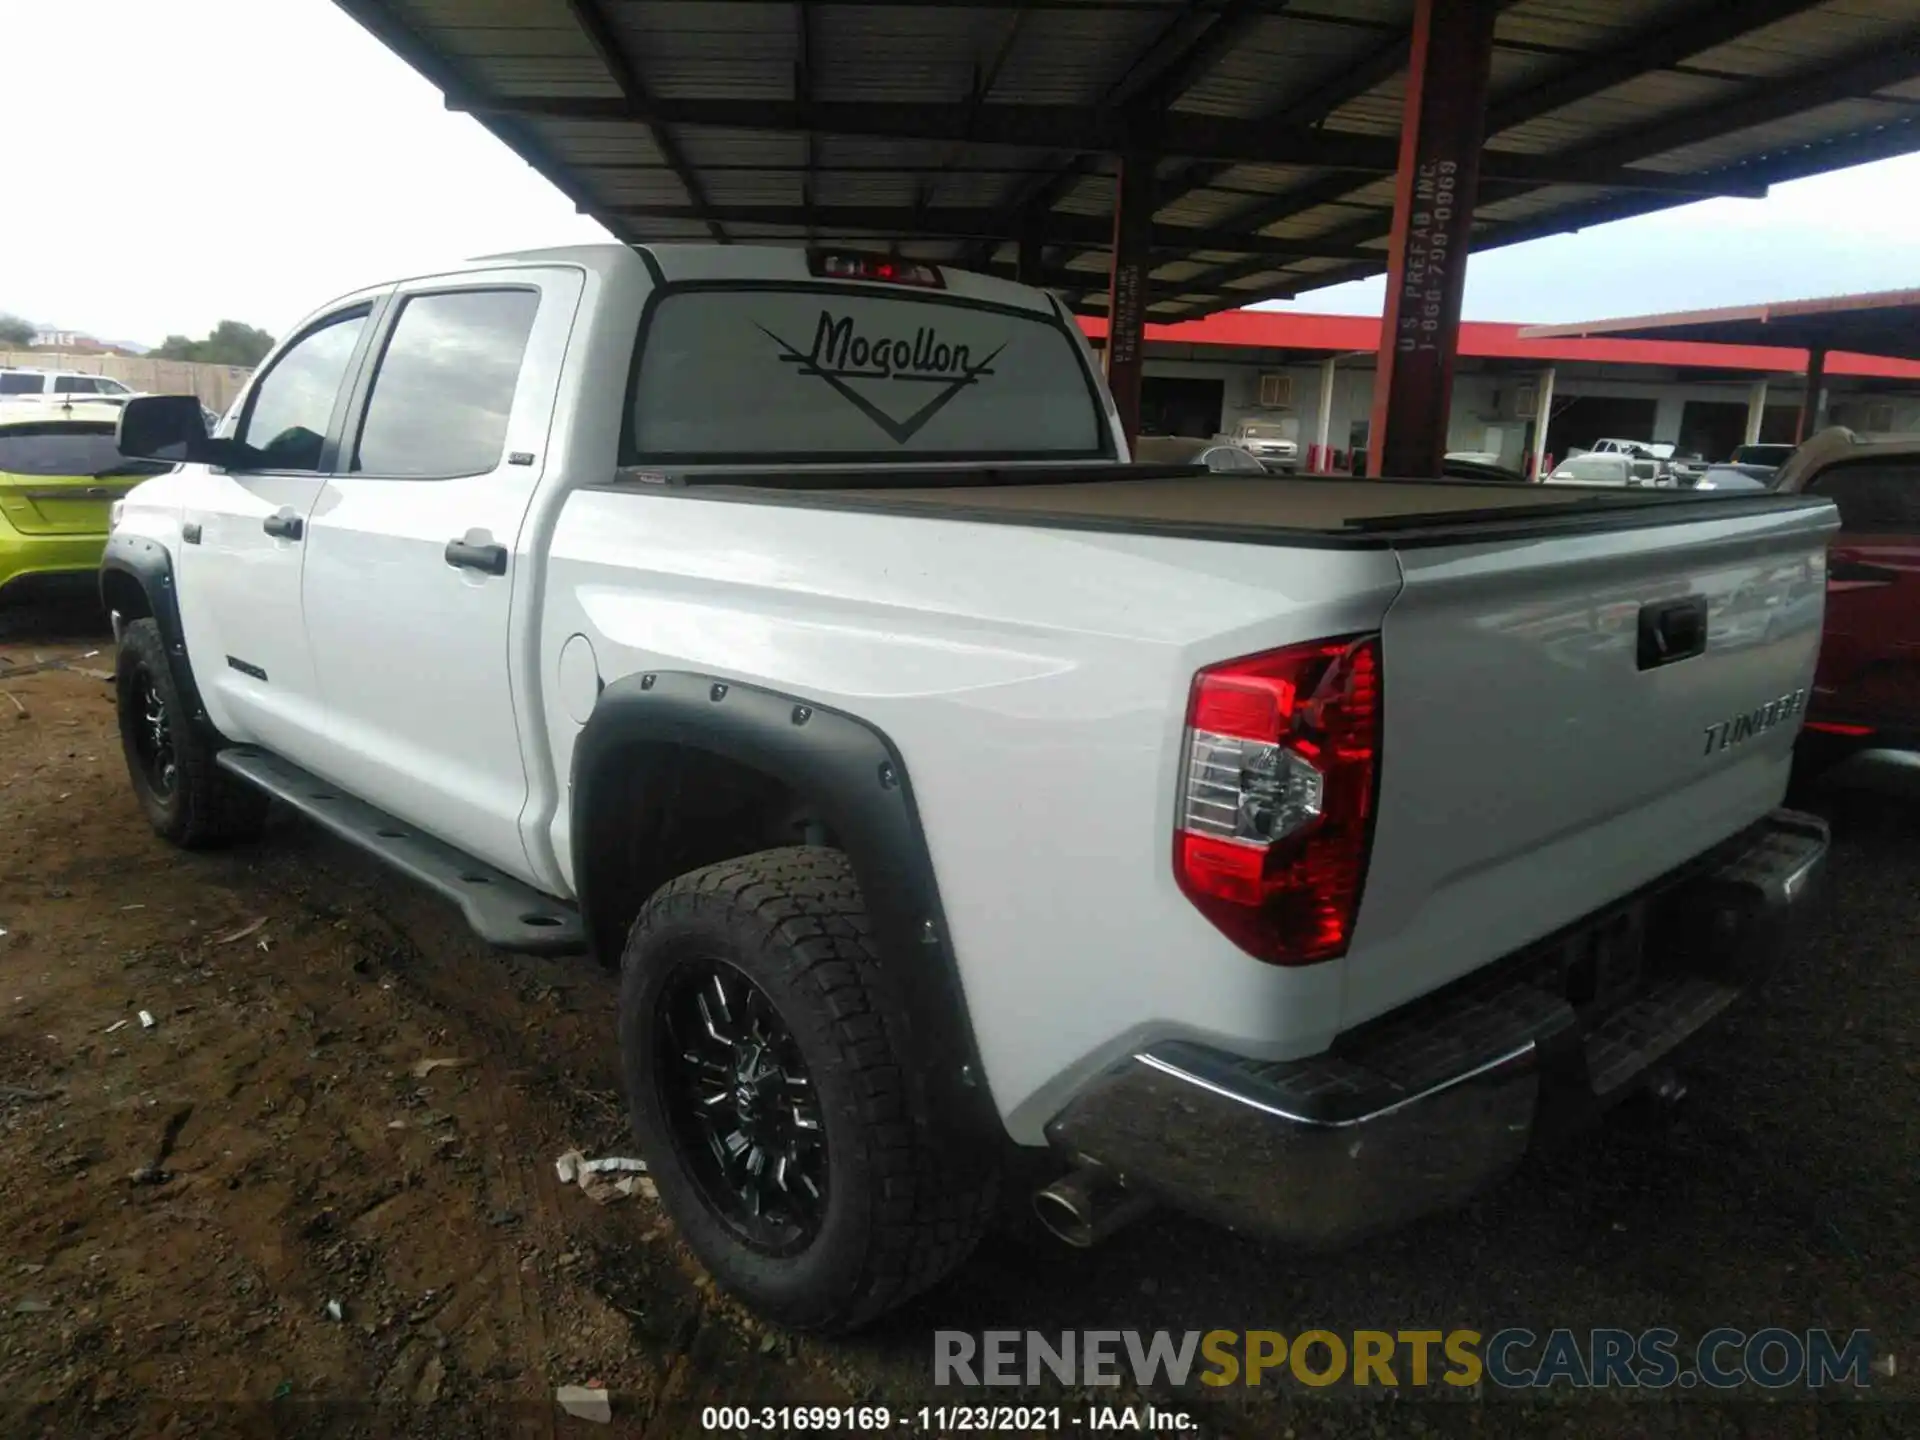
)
(181, 1204)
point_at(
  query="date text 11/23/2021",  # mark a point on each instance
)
(944, 1419)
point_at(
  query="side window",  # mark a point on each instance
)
(110, 387)
(444, 389)
(292, 405)
(75, 385)
(1882, 498)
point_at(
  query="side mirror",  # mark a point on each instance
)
(172, 428)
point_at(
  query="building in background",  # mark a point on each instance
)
(1207, 376)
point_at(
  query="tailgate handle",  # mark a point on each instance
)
(1672, 630)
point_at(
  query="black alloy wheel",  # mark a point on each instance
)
(741, 1106)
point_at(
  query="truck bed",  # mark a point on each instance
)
(1273, 509)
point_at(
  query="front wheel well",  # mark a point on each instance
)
(122, 592)
(656, 810)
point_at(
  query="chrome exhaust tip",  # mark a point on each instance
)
(1086, 1205)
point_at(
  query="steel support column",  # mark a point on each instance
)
(1030, 261)
(1542, 419)
(1434, 190)
(1812, 411)
(1756, 411)
(1319, 459)
(1127, 287)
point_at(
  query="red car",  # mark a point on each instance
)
(1866, 693)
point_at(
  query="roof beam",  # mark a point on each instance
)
(1088, 232)
(1067, 127)
(606, 46)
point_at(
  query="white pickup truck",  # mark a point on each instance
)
(790, 625)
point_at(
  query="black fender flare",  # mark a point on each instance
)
(148, 564)
(854, 774)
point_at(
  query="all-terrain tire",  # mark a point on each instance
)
(902, 1211)
(187, 798)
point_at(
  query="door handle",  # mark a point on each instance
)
(487, 559)
(284, 525)
(1674, 631)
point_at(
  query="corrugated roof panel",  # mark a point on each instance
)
(878, 53)
(1612, 112)
(636, 187)
(540, 75)
(1272, 279)
(1176, 271)
(503, 14)
(1805, 40)
(1282, 56)
(1069, 57)
(587, 141)
(1579, 24)
(1375, 113)
(1091, 195)
(1829, 122)
(1532, 203)
(519, 41)
(741, 147)
(720, 51)
(1202, 207)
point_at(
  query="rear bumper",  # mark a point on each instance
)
(1417, 1111)
(35, 565)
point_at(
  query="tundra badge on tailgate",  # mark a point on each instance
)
(1742, 728)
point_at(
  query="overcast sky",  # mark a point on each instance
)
(179, 162)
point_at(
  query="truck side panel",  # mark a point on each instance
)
(1034, 683)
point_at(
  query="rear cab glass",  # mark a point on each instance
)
(778, 374)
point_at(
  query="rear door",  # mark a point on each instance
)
(414, 553)
(1556, 737)
(243, 539)
(1870, 663)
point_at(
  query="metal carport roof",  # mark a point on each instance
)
(953, 128)
(1886, 323)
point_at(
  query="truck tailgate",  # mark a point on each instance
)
(1540, 759)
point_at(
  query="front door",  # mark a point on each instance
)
(414, 553)
(243, 532)
(1870, 656)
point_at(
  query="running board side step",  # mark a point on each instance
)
(506, 913)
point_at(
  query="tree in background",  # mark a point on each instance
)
(231, 343)
(15, 333)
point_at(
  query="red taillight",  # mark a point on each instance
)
(1276, 807)
(1836, 727)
